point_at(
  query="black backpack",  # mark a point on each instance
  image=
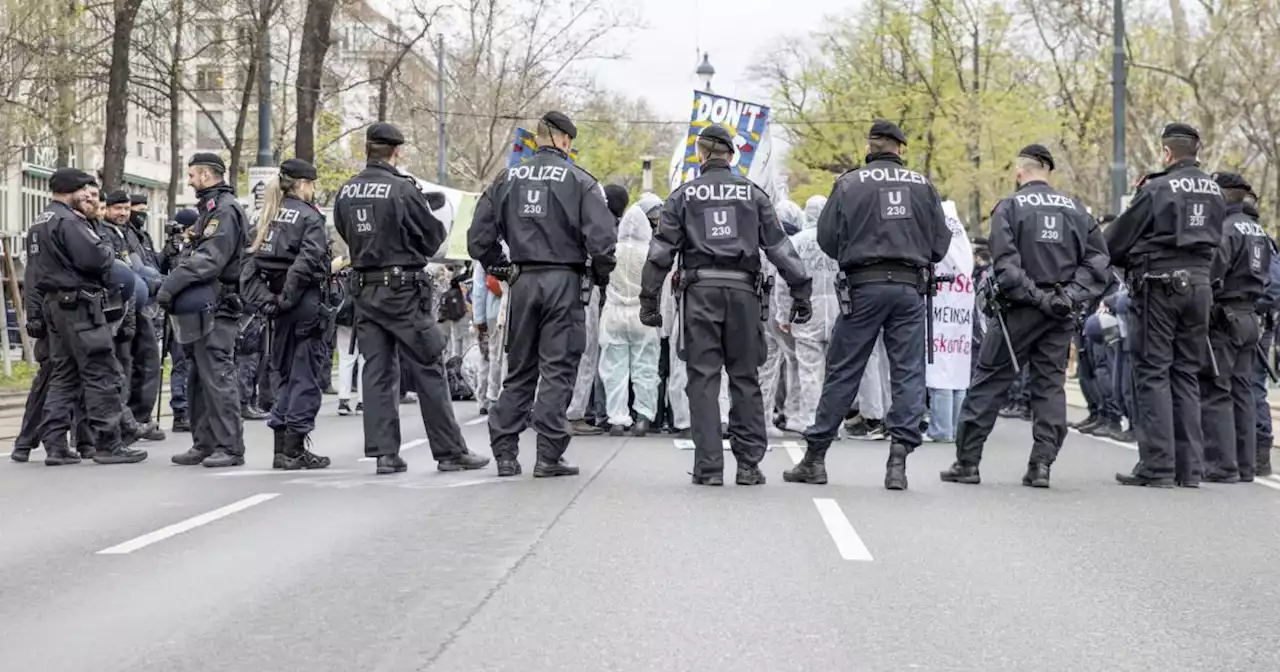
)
(453, 305)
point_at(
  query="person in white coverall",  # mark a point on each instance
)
(628, 349)
(781, 359)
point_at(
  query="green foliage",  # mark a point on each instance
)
(612, 150)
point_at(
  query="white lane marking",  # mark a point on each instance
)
(1268, 483)
(1272, 482)
(467, 484)
(187, 525)
(403, 447)
(687, 444)
(476, 421)
(847, 540)
(4, 455)
(282, 472)
(794, 450)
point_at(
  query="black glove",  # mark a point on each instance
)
(36, 329)
(290, 296)
(650, 314)
(801, 311)
(164, 299)
(153, 286)
(270, 307)
(600, 277)
(1055, 304)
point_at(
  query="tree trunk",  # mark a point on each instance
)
(175, 110)
(246, 95)
(382, 98)
(116, 145)
(316, 28)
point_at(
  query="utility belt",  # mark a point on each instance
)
(394, 276)
(585, 282)
(757, 283)
(879, 273)
(69, 299)
(1173, 282)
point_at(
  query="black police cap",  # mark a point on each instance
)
(70, 180)
(383, 133)
(561, 122)
(1180, 130)
(137, 199)
(1227, 180)
(719, 134)
(1039, 153)
(186, 217)
(208, 159)
(881, 128)
(117, 197)
(298, 169)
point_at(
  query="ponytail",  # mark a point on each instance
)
(276, 190)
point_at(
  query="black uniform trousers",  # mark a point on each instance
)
(213, 393)
(1042, 345)
(1227, 411)
(33, 412)
(144, 386)
(899, 311)
(721, 329)
(297, 356)
(1087, 373)
(84, 437)
(546, 336)
(1170, 329)
(84, 370)
(1262, 410)
(395, 328)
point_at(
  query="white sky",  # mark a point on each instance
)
(662, 57)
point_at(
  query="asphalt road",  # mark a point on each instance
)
(628, 566)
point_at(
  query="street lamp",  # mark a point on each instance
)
(705, 72)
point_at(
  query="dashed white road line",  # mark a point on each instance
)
(476, 421)
(687, 444)
(847, 540)
(403, 447)
(1272, 482)
(282, 472)
(187, 525)
(4, 455)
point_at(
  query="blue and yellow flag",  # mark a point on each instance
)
(524, 148)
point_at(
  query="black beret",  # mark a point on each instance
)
(383, 133)
(298, 169)
(1039, 153)
(70, 180)
(719, 134)
(887, 129)
(116, 198)
(186, 217)
(208, 159)
(617, 198)
(1231, 181)
(137, 199)
(561, 122)
(1177, 130)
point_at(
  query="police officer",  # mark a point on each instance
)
(1049, 260)
(288, 267)
(386, 222)
(718, 224)
(211, 269)
(180, 232)
(1166, 241)
(68, 263)
(145, 377)
(553, 217)
(1241, 273)
(884, 225)
(1267, 306)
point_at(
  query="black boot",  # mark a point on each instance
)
(151, 432)
(715, 480)
(1037, 475)
(1264, 459)
(464, 461)
(1107, 428)
(251, 412)
(297, 456)
(640, 428)
(391, 464)
(548, 469)
(57, 457)
(281, 443)
(962, 473)
(617, 430)
(1135, 479)
(749, 475)
(1092, 419)
(181, 423)
(508, 468)
(119, 455)
(220, 459)
(20, 454)
(812, 469)
(895, 473)
(190, 458)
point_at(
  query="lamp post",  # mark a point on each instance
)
(1118, 168)
(705, 72)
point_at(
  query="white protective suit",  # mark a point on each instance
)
(586, 378)
(778, 337)
(811, 338)
(628, 350)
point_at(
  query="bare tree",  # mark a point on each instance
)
(316, 28)
(117, 117)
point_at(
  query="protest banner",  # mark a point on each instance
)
(748, 123)
(953, 311)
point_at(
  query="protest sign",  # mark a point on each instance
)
(953, 311)
(746, 122)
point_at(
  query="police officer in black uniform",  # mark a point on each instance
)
(386, 222)
(1241, 274)
(211, 269)
(718, 224)
(884, 225)
(68, 263)
(145, 378)
(554, 219)
(1049, 260)
(1166, 242)
(288, 267)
